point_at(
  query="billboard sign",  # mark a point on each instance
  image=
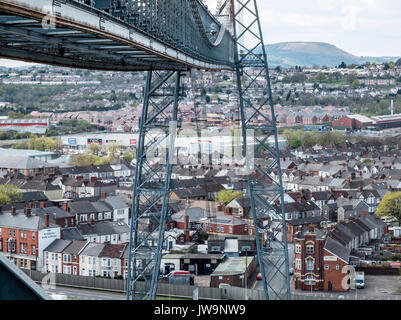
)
(95, 141)
(72, 140)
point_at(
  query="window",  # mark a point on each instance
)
(23, 247)
(298, 264)
(310, 264)
(33, 235)
(310, 280)
(230, 229)
(310, 250)
(337, 267)
(9, 232)
(298, 248)
(326, 267)
(33, 250)
(106, 262)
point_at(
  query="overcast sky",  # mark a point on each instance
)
(361, 27)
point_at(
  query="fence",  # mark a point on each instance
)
(117, 285)
(179, 291)
(378, 271)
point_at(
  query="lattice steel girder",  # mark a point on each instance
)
(152, 184)
(258, 123)
(175, 35)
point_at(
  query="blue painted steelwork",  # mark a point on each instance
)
(129, 35)
(259, 122)
(158, 126)
(16, 285)
(165, 38)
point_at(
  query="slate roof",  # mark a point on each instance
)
(71, 234)
(102, 228)
(33, 196)
(20, 221)
(93, 249)
(75, 247)
(58, 245)
(82, 207)
(114, 251)
(116, 202)
(337, 249)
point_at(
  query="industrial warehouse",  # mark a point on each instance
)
(360, 122)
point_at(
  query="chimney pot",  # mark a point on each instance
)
(13, 210)
(65, 206)
(104, 195)
(28, 212)
(43, 204)
(47, 220)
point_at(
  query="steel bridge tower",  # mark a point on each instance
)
(155, 159)
(261, 149)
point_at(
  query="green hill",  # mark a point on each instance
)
(289, 54)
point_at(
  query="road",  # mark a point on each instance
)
(276, 282)
(85, 294)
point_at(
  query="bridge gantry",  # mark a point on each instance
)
(166, 39)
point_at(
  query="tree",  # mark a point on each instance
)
(226, 196)
(342, 65)
(40, 144)
(15, 115)
(129, 157)
(9, 194)
(113, 150)
(390, 206)
(355, 83)
(398, 63)
(83, 160)
(320, 77)
(94, 149)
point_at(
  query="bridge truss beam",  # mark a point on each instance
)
(152, 184)
(258, 121)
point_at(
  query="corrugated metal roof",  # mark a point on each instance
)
(233, 266)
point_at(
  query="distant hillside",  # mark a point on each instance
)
(289, 54)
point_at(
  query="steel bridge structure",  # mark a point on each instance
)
(167, 39)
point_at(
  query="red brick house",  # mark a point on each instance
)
(320, 262)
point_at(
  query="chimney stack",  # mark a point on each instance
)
(30, 205)
(104, 195)
(47, 220)
(65, 206)
(42, 204)
(28, 212)
(13, 210)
